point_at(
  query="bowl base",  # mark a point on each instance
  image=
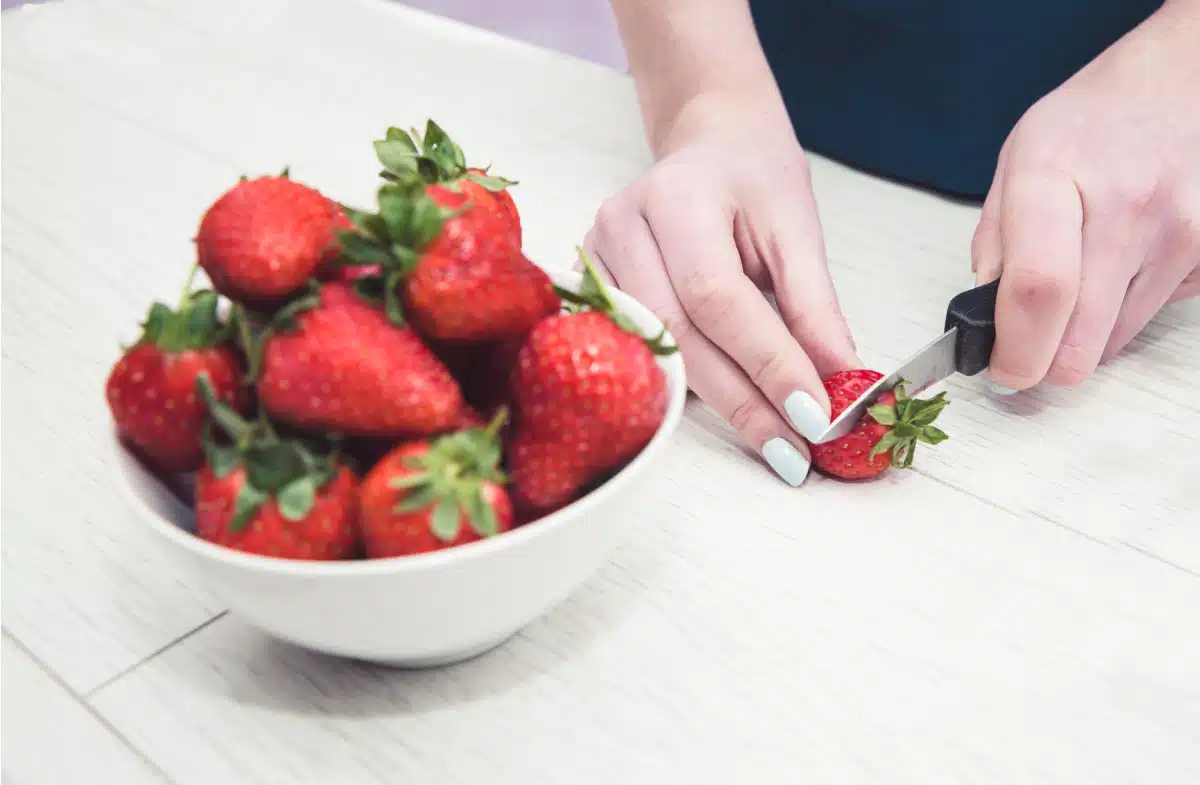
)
(439, 660)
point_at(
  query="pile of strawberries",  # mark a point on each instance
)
(382, 382)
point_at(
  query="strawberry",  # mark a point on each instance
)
(263, 239)
(886, 436)
(430, 495)
(437, 160)
(483, 370)
(151, 388)
(332, 360)
(274, 496)
(588, 395)
(449, 267)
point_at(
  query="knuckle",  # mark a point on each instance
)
(768, 368)
(608, 218)
(1034, 289)
(746, 415)
(1072, 365)
(706, 297)
(672, 318)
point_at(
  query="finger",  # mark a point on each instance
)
(711, 374)
(1112, 255)
(986, 256)
(705, 269)
(804, 290)
(1041, 234)
(1154, 287)
(589, 245)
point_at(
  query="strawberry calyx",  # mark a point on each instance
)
(451, 475)
(392, 240)
(431, 158)
(290, 470)
(192, 324)
(242, 321)
(593, 296)
(909, 421)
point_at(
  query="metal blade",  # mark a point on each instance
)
(923, 370)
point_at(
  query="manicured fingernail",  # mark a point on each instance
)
(1000, 389)
(807, 416)
(788, 462)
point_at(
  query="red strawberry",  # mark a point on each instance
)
(886, 436)
(333, 361)
(460, 277)
(151, 390)
(437, 160)
(588, 394)
(272, 496)
(262, 240)
(430, 495)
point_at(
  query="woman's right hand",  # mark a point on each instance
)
(725, 215)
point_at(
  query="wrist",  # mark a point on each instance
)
(721, 114)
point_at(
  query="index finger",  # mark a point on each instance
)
(1041, 232)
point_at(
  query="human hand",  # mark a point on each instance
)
(1094, 213)
(725, 215)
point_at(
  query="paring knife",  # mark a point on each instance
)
(965, 347)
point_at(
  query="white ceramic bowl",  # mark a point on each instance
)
(430, 609)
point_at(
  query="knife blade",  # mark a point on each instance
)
(965, 347)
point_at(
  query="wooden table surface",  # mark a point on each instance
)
(1024, 607)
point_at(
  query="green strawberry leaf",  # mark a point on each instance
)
(157, 320)
(884, 415)
(221, 413)
(360, 250)
(481, 515)
(247, 504)
(931, 434)
(272, 465)
(395, 134)
(397, 155)
(889, 440)
(221, 459)
(296, 499)
(491, 182)
(445, 522)
(203, 323)
(416, 499)
(409, 480)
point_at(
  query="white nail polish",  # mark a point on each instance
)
(807, 416)
(788, 462)
(1000, 389)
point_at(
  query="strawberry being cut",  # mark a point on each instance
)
(272, 496)
(447, 266)
(588, 395)
(331, 360)
(151, 390)
(437, 160)
(887, 435)
(263, 239)
(430, 495)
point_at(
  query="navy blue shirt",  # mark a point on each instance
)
(926, 91)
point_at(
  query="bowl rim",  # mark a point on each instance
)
(672, 365)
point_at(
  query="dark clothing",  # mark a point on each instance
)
(926, 91)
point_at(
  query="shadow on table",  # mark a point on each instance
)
(281, 677)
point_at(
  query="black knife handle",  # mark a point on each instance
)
(974, 314)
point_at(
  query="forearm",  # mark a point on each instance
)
(690, 60)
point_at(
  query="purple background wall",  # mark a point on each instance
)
(583, 28)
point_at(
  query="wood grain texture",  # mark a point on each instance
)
(50, 737)
(1020, 609)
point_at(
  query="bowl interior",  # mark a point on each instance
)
(160, 501)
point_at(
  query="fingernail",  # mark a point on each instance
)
(1000, 389)
(788, 462)
(807, 416)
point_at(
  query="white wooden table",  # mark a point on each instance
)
(1022, 608)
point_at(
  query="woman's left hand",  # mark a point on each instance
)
(1094, 213)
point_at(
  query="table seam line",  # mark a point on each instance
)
(81, 700)
(91, 693)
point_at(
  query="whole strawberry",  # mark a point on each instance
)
(151, 390)
(588, 394)
(437, 160)
(453, 271)
(886, 436)
(273, 496)
(430, 495)
(263, 239)
(333, 361)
